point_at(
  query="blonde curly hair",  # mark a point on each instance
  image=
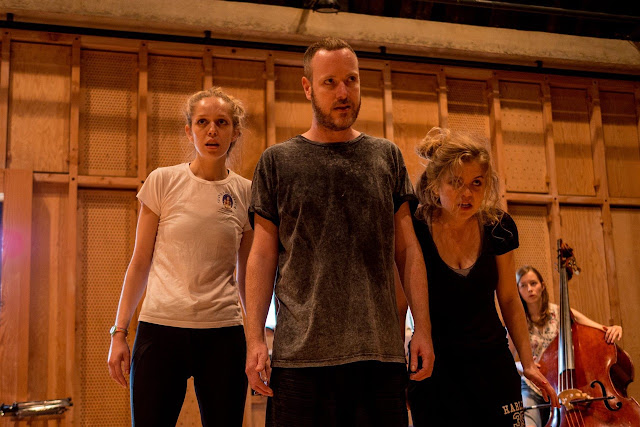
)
(445, 152)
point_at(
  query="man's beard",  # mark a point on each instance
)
(325, 120)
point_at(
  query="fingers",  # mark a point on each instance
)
(115, 371)
(258, 383)
(258, 370)
(535, 376)
(127, 366)
(551, 393)
(119, 357)
(413, 357)
(426, 370)
(421, 374)
(612, 333)
(548, 393)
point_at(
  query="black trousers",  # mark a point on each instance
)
(359, 394)
(165, 357)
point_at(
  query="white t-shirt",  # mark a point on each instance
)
(191, 282)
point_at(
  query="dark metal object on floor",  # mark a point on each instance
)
(35, 408)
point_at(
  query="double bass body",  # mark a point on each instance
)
(601, 370)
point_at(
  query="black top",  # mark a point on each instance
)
(462, 308)
(334, 205)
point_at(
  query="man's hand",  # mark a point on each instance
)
(421, 346)
(258, 368)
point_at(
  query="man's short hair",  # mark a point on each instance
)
(328, 43)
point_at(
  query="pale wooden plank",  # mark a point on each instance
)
(143, 108)
(207, 65)
(4, 95)
(270, 100)
(387, 102)
(497, 142)
(554, 211)
(443, 110)
(626, 234)
(15, 290)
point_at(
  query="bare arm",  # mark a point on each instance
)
(241, 267)
(413, 275)
(611, 333)
(261, 271)
(135, 282)
(401, 300)
(515, 320)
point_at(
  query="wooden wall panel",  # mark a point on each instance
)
(626, 234)
(293, 110)
(39, 107)
(48, 310)
(572, 137)
(468, 106)
(533, 230)
(371, 117)
(171, 81)
(15, 285)
(246, 81)
(581, 229)
(523, 137)
(622, 150)
(107, 221)
(108, 114)
(415, 112)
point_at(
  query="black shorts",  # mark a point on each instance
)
(463, 391)
(359, 394)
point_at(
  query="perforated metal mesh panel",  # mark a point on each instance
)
(620, 129)
(572, 141)
(533, 231)
(107, 220)
(523, 137)
(171, 81)
(415, 111)
(40, 101)
(468, 106)
(108, 114)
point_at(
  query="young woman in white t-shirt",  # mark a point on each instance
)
(193, 232)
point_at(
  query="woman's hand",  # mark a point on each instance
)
(535, 376)
(612, 333)
(119, 358)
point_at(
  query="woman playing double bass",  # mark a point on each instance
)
(543, 322)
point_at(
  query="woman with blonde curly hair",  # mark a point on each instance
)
(468, 243)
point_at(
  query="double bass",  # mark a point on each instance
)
(589, 375)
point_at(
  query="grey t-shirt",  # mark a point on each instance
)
(334, 205)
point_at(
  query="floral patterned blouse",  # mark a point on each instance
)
(541, 336)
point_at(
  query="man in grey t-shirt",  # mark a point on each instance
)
(330, 209)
